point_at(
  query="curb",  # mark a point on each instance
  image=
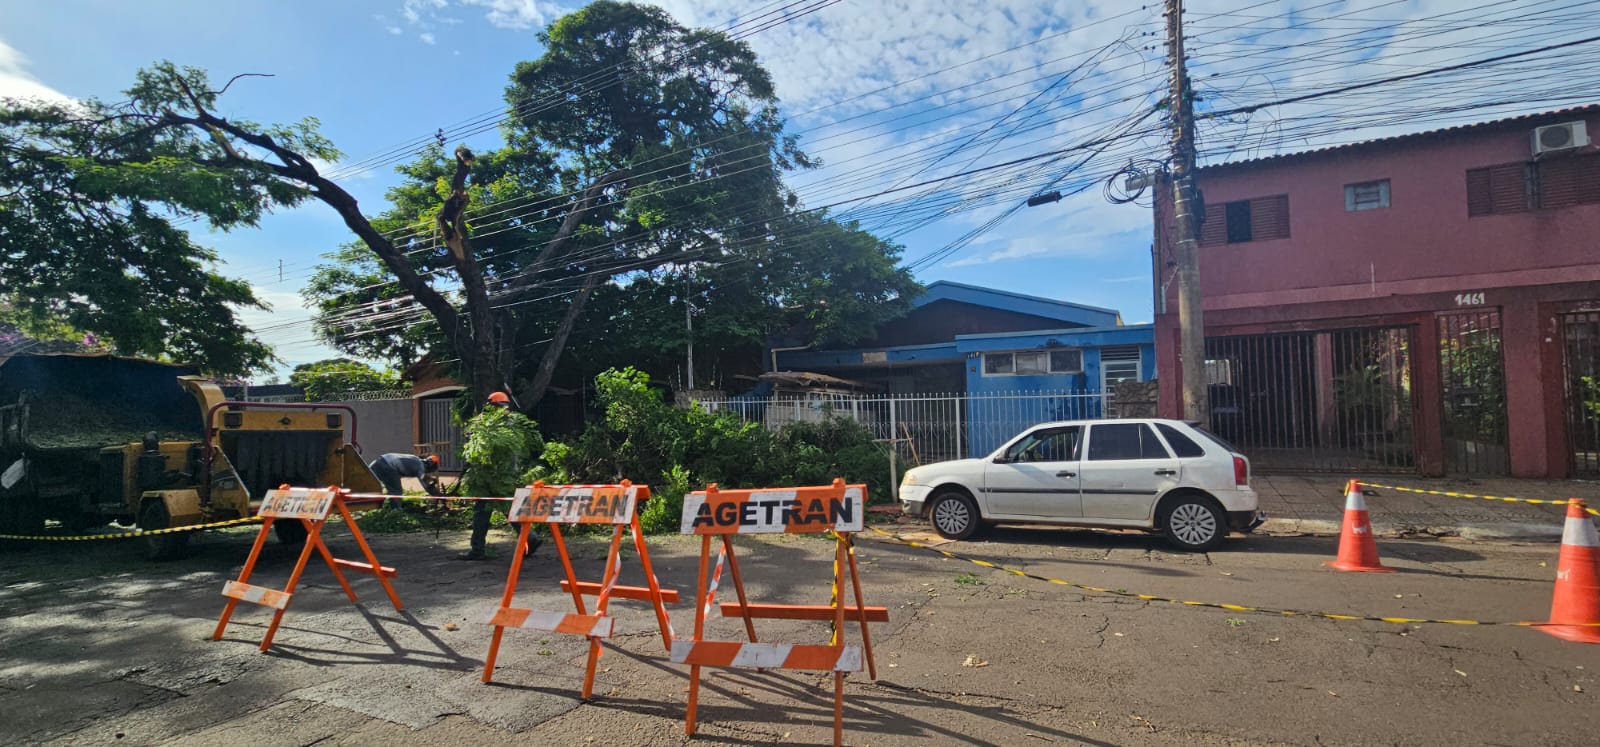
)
(1478, 532)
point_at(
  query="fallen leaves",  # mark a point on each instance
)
(974, 662)
(451, 626)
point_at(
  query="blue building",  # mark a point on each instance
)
(1014, 359)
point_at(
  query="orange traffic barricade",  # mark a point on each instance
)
(837, 508)
(554, 505)
(309, 506)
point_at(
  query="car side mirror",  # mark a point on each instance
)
(1002, 459)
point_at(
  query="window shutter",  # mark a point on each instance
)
(1215, 229)
(1571, 180)
(1478, 200)
(1269, 218)
(1496, 190)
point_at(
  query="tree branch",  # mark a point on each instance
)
(558, 343)
(569, 224)
(236, 77)
(296, 167)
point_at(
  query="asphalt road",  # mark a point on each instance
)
(98, 646)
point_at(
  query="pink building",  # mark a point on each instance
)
(1426, 303)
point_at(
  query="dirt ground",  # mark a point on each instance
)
(99, 646)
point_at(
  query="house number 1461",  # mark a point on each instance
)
(1469, 299)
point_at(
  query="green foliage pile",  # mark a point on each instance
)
(66, 421)
(501, 447)
(642, 438)
(415, 518)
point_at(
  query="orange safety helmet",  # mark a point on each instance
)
(499, 398)
(433, 459)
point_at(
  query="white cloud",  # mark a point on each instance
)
(423, 15)
(414, 10)
(17, 83)
(388, 25)
(520, 15)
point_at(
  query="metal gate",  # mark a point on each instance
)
(1580, 332)
(1472, 386)
(1327, 400)
(440, 432)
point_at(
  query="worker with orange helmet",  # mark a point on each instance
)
(391, 468)
(481, 510)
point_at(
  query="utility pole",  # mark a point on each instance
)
(1191, 326)
(688, 326)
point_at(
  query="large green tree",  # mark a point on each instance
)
(640, 156)
(327, 379)
(91, 238)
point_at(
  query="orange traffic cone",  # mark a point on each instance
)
(1575, 610)
(1357, 550)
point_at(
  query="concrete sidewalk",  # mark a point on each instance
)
(1314, 504)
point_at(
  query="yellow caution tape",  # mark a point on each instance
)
(1213, 605)
(1453, 494)
(126, 535)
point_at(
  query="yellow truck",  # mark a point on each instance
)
(89, 439)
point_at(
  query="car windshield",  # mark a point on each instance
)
(1215, 438)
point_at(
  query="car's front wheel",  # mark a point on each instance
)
(954, 515)
(1193, 523)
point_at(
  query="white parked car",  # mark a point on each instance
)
(1159, 475)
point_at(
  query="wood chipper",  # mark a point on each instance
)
(87, 439)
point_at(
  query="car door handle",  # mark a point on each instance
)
(1166, 472)
(1065, 473)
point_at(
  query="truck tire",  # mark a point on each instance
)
(19, 516)
(161, 546)
(290, 532)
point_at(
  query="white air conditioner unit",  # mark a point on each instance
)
(1559, 137)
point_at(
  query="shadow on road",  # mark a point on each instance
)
(871, 707)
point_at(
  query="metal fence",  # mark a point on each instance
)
(925, 427)
(1580, 333)
(1337, 400)
(382, 394)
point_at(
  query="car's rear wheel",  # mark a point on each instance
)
(955, 516)
(1193, 522)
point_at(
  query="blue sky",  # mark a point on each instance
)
(876, 89)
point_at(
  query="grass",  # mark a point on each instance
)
(967, 579)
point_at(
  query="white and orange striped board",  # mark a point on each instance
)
(297, 503)
(256, 595)
(576, 504)
(594, 626)
(767, 655)
(809, 510)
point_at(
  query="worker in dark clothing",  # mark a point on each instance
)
(390, 468)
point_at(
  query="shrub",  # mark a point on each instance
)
(662, 515)
(641, 435)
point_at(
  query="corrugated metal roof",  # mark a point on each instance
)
(1452, 130)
